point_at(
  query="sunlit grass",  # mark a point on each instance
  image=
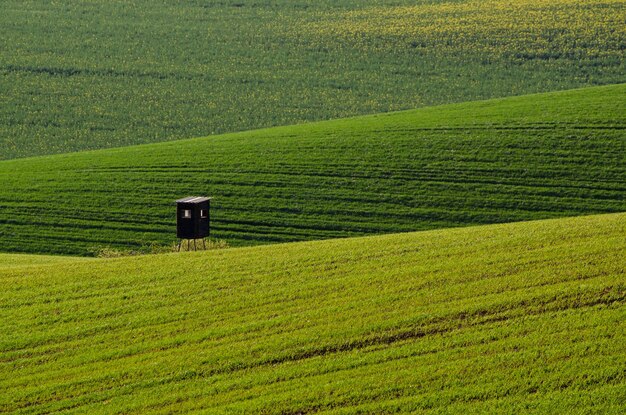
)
(515, 318)
(526, 29)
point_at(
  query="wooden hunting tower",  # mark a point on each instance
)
(192, 219)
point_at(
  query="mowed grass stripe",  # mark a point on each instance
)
(481, 317)
(447, 166)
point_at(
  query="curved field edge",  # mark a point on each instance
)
(524, 317)
(522, 158)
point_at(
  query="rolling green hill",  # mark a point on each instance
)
(510, 318)
(538, 156)
(77, 74)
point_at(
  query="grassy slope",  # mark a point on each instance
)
(20, 260)
(522, 158)
(78, 75)
(510, 318)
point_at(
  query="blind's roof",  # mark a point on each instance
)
(193, 199)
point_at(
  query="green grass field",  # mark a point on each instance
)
(523, 158)
(329, 133)
(21, 260)
(509, 318)
(86, 74)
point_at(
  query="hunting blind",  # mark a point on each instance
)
(192, 219)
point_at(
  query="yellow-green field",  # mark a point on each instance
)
(516, 318)
(82, 75)
(523, 29)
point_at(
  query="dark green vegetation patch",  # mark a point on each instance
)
(557, 154)
(78, 74)
(519, 318)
